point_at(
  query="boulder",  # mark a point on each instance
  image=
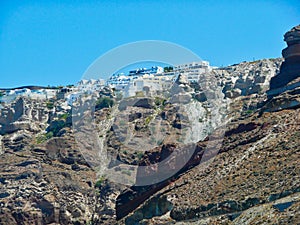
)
(201, 97)
(181, 79)
(181, 98)
(147, 103)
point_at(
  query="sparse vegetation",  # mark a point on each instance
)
(168, 69)
(152, 129)
(152, 140)
(104, 102)
(63, 116)
(254, 61)
(249, 112)
(139, 94)
(50, 105)
(159, 142)
(56, 126)
(44, 137)
(100, 182)
(148, 120)
(160, 102)
(140, 155)
(162, 129)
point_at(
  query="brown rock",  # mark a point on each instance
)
(290, 68)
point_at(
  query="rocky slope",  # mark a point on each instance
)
(227, 153)
(258, 165)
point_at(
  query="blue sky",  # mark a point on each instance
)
(54, 42)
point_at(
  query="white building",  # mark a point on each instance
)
(90, 85)
(193, 70)
(191, 65)
(11, 95)
(148, 84)
(150, 81)
(120, 81)
(50, 93)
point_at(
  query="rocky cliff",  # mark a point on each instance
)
(290, 68)
(226, 153)
(242, 183)
(248, 78)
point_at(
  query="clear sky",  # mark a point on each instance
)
(54, 42)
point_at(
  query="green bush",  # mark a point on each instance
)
(249, 112)
(140, 155)
(100, 182)
(148, 120)
(40, 139)
(168, 69)
(64, 116)
(56, 126)
(104, 102)
(159, 101)
(44, 137)
(50, 105)
(49, 135)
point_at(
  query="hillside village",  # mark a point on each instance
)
(140, 81)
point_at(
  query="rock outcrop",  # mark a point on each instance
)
(23, 114)
(243, 178)
(290, 68)
(247, 78)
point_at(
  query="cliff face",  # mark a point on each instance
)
(23, 114)
(248, 78)
(40, 182)
(255, 173)
(252, 178)
(290, 68)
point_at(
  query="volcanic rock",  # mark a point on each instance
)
(290, 68)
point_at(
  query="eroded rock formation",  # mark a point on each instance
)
(290, 68)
